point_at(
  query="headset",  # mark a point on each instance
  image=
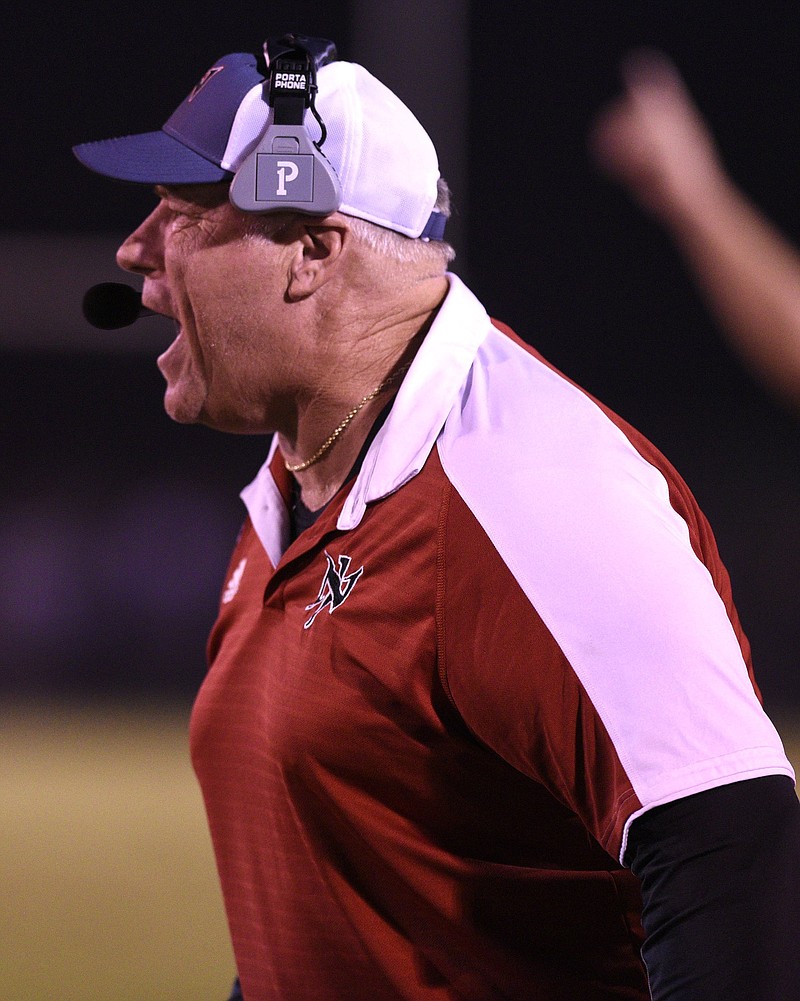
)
(285, 153)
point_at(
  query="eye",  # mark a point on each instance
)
(182, 214)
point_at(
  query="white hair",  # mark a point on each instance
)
(401, 249)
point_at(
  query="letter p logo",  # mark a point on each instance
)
(275, 172)
(287, 172)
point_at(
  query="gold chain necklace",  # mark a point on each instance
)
(300, 466)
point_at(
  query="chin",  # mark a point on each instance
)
(181, 410)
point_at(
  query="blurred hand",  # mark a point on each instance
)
(654, 141)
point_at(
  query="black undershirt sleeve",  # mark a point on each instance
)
(720, 875)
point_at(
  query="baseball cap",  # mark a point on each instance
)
(385, 161)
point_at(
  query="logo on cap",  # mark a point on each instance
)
(203, 81)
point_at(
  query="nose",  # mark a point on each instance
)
(141, 252)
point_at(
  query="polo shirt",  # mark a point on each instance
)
(430, 720)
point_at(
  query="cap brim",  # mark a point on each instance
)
(148, 158)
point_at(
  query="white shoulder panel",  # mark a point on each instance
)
(585, 525)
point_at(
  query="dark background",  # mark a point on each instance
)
(117, 523)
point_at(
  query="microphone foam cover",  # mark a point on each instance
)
(111, 305)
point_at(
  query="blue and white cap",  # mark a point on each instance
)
(385, 161)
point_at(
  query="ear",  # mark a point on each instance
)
(320, 250)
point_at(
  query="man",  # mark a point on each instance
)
(654, 140)
(477, 670)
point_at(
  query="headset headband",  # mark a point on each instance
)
(286, 170)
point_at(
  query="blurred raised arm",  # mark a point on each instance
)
(654, 141)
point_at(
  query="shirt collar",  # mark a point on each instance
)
(428, 393)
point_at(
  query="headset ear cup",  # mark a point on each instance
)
(286, 172)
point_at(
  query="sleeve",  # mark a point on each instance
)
(612, 669)
(721, 893)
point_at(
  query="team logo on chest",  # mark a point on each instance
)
(336, 586)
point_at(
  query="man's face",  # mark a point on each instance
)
(222, 288)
